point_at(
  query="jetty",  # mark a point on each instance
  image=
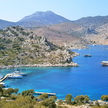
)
(50, 94)
(6, 76)
(11, 76)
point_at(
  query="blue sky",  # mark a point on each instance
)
(14, 10)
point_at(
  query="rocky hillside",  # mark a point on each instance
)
(64, 34)
(101, 37)
(77, 34)
(22, 47)
(96, 29)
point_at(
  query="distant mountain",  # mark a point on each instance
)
(38, 19)
(4, 24)
(42, 19)
(92, 22)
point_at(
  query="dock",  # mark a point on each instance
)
(6, 76)
(50, 94)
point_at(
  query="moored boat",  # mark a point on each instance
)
(19, 73)
(14, 76)
(87, 55)
(3, 84)
(104, 63)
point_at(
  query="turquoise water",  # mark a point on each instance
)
(90, 78)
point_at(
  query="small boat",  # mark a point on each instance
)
(14, 76)
(87, 55)
(104, 63)
(2, 83)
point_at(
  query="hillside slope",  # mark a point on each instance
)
(64, 34)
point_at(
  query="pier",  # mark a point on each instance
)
(50, 94)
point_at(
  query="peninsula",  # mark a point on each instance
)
(21, 47)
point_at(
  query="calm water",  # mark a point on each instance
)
(89, 79)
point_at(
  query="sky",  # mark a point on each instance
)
(14, 10)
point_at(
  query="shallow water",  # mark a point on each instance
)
(90, 78)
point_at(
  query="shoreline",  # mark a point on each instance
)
(72, 64)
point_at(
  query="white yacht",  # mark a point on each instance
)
(104, 63)
(14, 76)
(19, 73)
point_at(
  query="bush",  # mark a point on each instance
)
(43, 96)
(9, 91)
(68, 98)
(28, 92)
(50, 102)
(104, 97)
(81, 99)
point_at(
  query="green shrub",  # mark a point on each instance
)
(81, 99)
(104, 97)
(68, 98)
(43, 96)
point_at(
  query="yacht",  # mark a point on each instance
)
(87, 55)
(14, 76)
(19, 73)
(104, 63)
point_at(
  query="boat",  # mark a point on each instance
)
(19, 73)
(3, 84)
(87, 55)
(104, 63)
(14, 76)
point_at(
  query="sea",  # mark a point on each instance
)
(90, 78)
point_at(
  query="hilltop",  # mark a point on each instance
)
(41, 19)
(37, 19)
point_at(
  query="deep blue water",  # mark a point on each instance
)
(90, 78)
